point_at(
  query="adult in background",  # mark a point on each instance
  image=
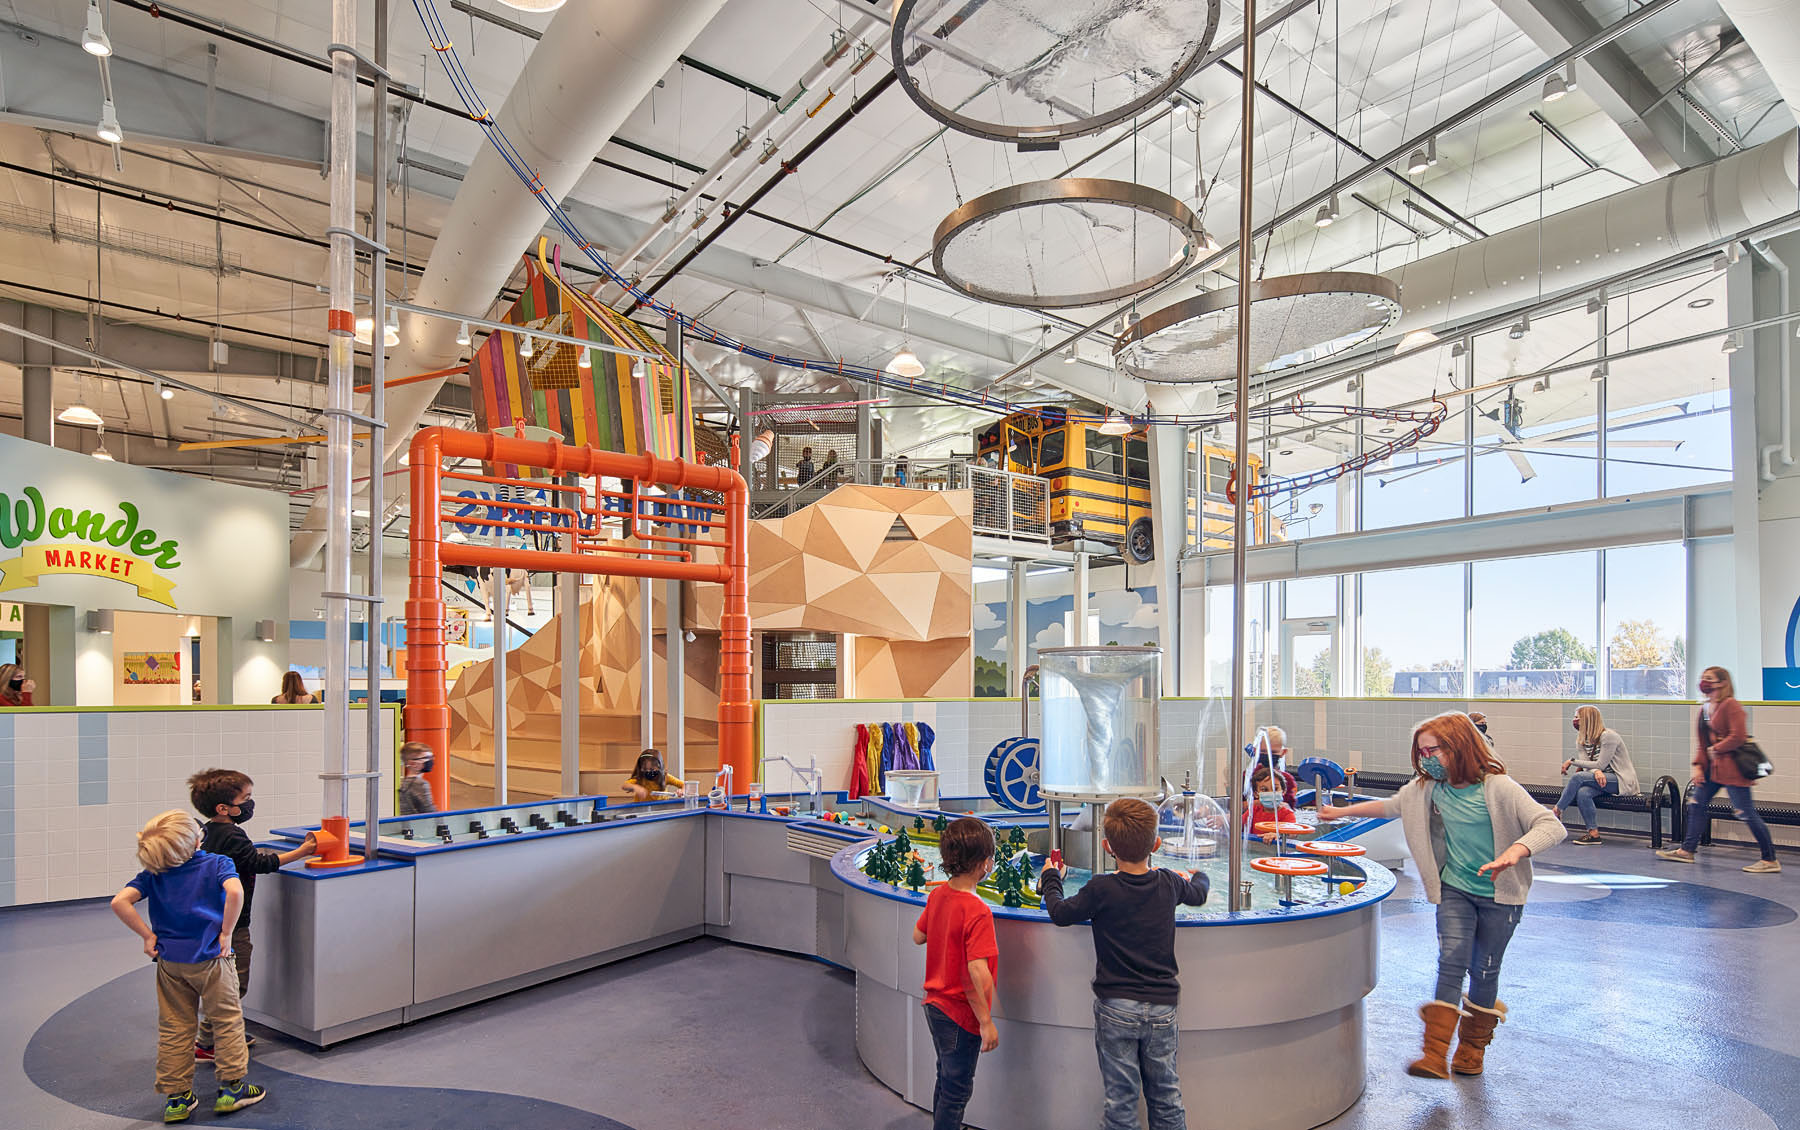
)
(293, 690)
(16, 687)
(1473, 830)
(1723, 728)
(805, 469)
(1601, 766)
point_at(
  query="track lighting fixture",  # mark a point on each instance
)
(638, 370)
(108, 130)
(583, 360)
(1558, 85)
(1598, 375)
(365, 333)
(1459, 348)
(94, 39)
(1734, 341)
(525, 346)
(1520, 328)
(1069, 354)
(1422, 158)
(462, 334)
(1328, 213)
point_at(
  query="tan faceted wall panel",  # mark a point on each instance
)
(908, 669)
(873, 561)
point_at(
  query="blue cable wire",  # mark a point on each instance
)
(1425, 422)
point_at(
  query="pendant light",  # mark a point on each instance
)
(94, 39)
(79, 413)
(906, 363)
(1115, 425)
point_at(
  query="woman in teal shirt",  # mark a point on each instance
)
(1457, 811)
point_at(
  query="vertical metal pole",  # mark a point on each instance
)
(340, 377)
(39, 414)
(1018, 635)
(377, 442)
(568, 587)
(1241, 508)
(497, 608)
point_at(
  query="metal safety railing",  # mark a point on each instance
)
(1006, 504)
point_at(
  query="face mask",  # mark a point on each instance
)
(1705, 686)
(1575, 725)
(1270, 801)
(1433, 768)
(18, 681)
(245, 811)
(1482, 726)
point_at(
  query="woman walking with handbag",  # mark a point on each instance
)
(1722, 731)
(1602, 768)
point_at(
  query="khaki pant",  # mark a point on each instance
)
(241, 950)
(182, 991)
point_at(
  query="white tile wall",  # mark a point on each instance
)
(63, 849)
(1533, 737)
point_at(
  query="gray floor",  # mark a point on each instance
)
(1643, 994)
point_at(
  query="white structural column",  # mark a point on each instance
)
(1745, 660)
(1168, 504)
(1080, 587)
(1018, 635)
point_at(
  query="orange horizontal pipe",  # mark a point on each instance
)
(260, 441)
(418, 378)
(427, 709)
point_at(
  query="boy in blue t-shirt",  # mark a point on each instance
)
(194, 898)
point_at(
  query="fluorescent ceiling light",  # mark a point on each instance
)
(79, 413)
(1415, 340)
(365, 332)
(94, 39)
(906, 363)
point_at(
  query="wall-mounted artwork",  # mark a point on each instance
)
(146, 668)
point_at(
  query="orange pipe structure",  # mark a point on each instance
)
(427, 710)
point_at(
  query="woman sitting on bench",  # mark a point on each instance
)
(1602, 768)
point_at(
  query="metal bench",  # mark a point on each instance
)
(1772, 812)
(1662, 795)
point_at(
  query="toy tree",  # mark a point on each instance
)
(1015, 840)
(902, 843)
(918, 823)
(939, 823)
(915, 876)
(1011, 897)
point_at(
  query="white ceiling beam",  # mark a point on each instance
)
(53, 84)
(1617, 85)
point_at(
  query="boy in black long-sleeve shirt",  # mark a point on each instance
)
(1135, 976)
(222, 797)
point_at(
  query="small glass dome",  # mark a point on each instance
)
(1192, 826)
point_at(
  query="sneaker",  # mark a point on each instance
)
(1764, 867)
(1588, 840)
(180, 1107)
(233, 1096)
(202, 1054)
(249, 1040)
(1676, 855)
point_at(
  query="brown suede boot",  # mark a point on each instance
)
(1478, 1026)
(1440, 1024)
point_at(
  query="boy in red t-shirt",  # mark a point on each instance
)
(957, 931)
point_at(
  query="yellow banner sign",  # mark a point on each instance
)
(23, 571)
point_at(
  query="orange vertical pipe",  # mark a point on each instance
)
(735, 707)
(427, 709)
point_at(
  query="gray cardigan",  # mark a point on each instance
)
(1516, 818)
(1611, 757)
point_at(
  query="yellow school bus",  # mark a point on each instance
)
(1100, 484)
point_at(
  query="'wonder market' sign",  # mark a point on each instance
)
(98, 543)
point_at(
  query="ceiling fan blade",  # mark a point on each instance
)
(1523, 465)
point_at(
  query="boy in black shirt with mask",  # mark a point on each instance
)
(222, 797)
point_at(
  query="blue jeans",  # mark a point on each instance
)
(1580, 791)
(1472, 936)
(1138, 1042)
(958, 1049)
(1739, 795)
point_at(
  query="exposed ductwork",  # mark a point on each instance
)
(596, 62)
(1773, 35)
(1621, 232)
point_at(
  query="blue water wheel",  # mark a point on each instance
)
(1012, 775)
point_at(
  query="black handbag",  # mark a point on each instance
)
(1751, 761)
